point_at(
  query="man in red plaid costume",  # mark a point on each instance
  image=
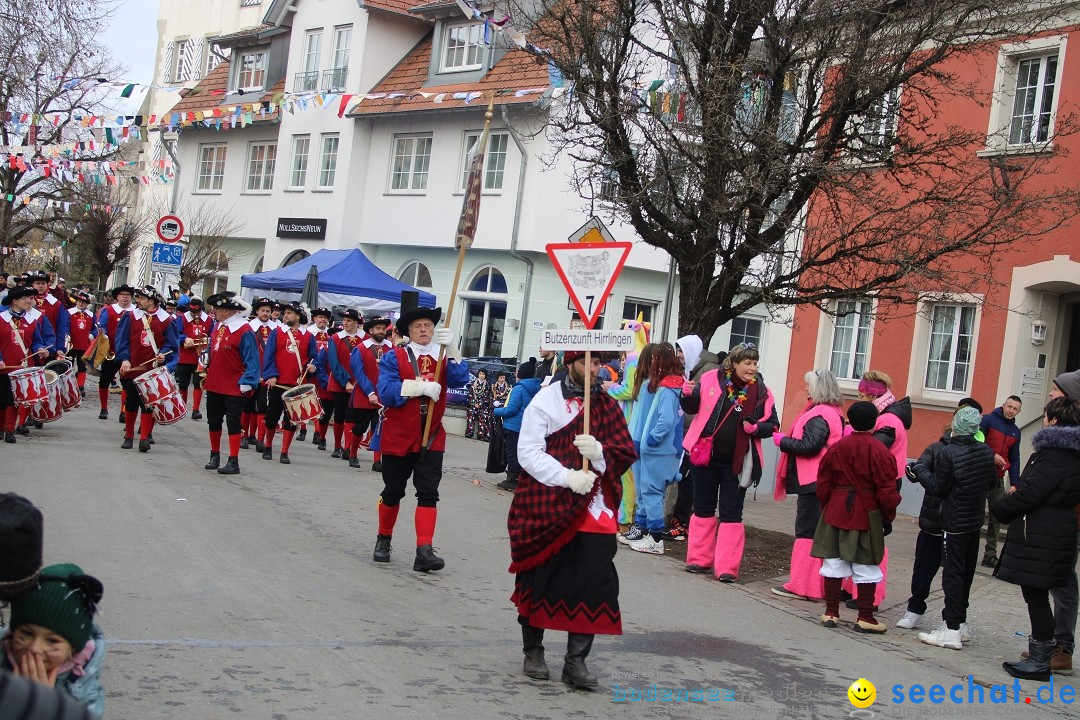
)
(563, 520)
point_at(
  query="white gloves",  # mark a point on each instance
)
(580, 481)
(444, 336)
(246, 388)
(589, 447)
(412, 388)
(431, 390)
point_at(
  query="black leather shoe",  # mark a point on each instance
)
(150, 439)
(376, 466)
(103, 415)
(355, 463)
(316, 438)
(302, 435)
(268, 454)
(22, 430)
(382, 549)
(127, 444)
(575, 673)
(345, 455)
(9, 437)
(284, 459)
(336, 454)
(144, 445)
(426, 560)
(231, 468)
(259, 447)
(215, 461)
(322, 444)
(244, 443)
(38, 425)
(196, 415)
(123, 418)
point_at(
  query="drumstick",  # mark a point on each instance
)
(153, 359)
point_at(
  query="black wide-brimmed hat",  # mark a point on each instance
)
(324, 311)
(125, 288)
(19, 291)
(149, 291)
(227, 300)
(375, 321)
(407, 319)
(299, 308)
(262, 302)
(352, 314)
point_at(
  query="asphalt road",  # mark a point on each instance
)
(255, 596)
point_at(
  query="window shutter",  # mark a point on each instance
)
(196, 58)
(166, 76)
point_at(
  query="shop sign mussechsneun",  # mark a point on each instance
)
(302, 228)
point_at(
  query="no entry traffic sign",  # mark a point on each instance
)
(170, 228)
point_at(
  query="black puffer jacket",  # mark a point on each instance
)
(930, 512)
(963, 473)
(815, 434)
(1040, 547)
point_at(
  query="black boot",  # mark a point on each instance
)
(103, 415)
(260, 448)
(127, 444)
(144, 445)
(244, 445)
(426, 560)
(9, 437)
(574, 672)
(232, 467)
(316, 438)
(1037, 664)
(215, 461)
(336, 454)
(268, 454)
(22, 430)
(354, 462)
(322, 443)
(284, 459)
(532, 643)
(150, 439)
(382, 549)
(508, 484)
(123, 417)
(376, 466)
(196, 415)
(302, 435)
(38, 425)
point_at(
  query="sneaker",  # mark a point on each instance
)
(647, 545)
(910, 621)
(943, 637)
(634, 533)
(727, 578)
(990, 561)
(965, 632)
(676, 531)
(784, 592)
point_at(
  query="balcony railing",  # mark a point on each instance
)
(334, 79)
(306, 81)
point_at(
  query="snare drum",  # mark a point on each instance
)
(302, 403)
(28, 385)
(170, 409)
(156, 385)
(67, 383)
(50, 408)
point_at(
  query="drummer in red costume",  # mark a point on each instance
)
(231, 372)
(342, 382)
(195, 328)
(290, 353)
(36, 317)
(406, 384)
(366, 407)
(20, 342)
(107, 321)
(52, 308)
(254, 418)
(320, 329)
(145, 338)
(83, 330)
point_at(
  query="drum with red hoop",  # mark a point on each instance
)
(50, 408)
(67, 383)
(156, 385)
(302, 403)
(170, 409)
(28, 385)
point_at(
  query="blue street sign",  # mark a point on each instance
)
(168, 254)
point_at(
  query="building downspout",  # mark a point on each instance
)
(514, 236)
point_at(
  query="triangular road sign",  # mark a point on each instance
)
(589, 271)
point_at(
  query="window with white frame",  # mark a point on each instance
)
(251, 70)
(950, 347)
(410, 163)
(214, 55)
(851, 339)
(262, 157)
(327, 161)
(183, 55)
(1026, 92)
(485, 314)
(746, 329)
(338, 73)
(463, 47)
(301, 148)
(875, 131)
(416, 274)
(312, 50)
(211, 168)
(494, 160)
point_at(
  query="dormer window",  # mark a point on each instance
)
(251, 69)
(463, 47)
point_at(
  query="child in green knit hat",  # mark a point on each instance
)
(53, 638)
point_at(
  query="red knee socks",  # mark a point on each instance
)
(286, 441)
(378, 456)
(198, 398)
(215, 441)
(10, 416)
(234, 445)
(183, 395)
(321, 429)
(387, 518)
(80, 378)
(425, 525)
(865, 600)
(245, 423)
(269, 444)
(146, 426)
(24, 415)
(260, 429)
(129, 423)
(103, 396)
(337, 436)
(832, 596)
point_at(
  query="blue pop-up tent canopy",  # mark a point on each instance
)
(346, 277)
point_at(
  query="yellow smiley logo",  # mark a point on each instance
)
(862, 693)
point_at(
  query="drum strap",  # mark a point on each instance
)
(19, 340)
(295, 350)
(150, 334)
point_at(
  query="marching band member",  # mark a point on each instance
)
(365, 359)
(83, 330)
(144, 337)
(195, 327)
(320, 329)
(35, 316)
(290, 354)
(49, 306)
(342, 382)
(406, 383)
(231, 373)
(108, 320)
(255, 404)
(20, 340)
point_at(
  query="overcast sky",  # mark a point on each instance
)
(132, 38)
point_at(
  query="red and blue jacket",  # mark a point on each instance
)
(1003, 437)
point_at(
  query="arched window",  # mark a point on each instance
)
(258, 266)
(218, 280)
(417, 275)
(294, 257)
(485, 314)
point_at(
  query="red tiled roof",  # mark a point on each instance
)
(210, 94)
(517, 70)
(398, 7)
